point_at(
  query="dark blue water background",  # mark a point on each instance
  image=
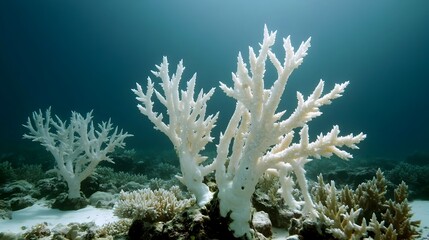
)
(84, 55)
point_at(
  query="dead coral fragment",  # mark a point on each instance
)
(119, 228)
(152, 206)
(37, 231)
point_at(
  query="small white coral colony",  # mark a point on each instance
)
(258, 138)
(151, 205)
(78, 147)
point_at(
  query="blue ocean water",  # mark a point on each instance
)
(84, 55)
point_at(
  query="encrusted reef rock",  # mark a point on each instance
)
(5, 210)
(15, 196)
(62, 202)
(262, 223)
(193, 223)
(267, 199)
(50, 188)
(17, 189)
(102, 199)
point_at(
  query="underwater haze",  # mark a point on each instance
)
(87, 55)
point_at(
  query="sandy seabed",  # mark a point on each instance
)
(24, 219)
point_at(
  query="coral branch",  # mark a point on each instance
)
(188, 127)
(257, 138)
(77, 147)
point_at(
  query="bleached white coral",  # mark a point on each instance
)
(78, 147)
(261, 138)
(187, 127)
(151, 205)
(258, 137)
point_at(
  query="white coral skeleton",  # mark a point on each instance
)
(258, 138)
(78, 147)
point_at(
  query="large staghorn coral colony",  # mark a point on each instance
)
(258, 139)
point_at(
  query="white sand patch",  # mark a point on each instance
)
(420, 210)
(30, 216)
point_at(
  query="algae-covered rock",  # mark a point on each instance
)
(102, 200)
(62, 202)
